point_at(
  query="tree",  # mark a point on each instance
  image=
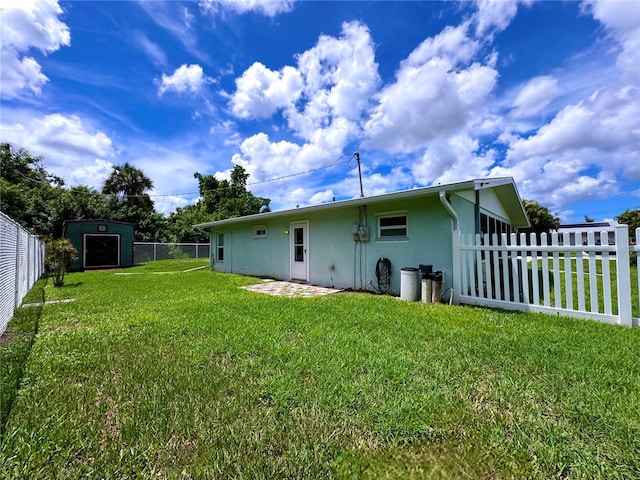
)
(130, 184)
(60, 254)
(17, 166)
(632, 219)
(182, 220)
(227, 199)
(540, 219)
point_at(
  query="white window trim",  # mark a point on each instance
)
(257, 228)
(392, 239)
(218, 247)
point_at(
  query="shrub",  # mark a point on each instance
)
(60, 254)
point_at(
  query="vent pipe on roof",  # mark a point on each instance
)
(449, 208)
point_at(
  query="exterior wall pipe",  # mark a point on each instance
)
(455, 243)
(445, 203)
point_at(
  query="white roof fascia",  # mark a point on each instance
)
(415, 192)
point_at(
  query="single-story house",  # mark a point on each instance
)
(339, 244)
(578, 232)
(100, 243)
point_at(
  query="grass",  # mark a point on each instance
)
(185, 375)
(560, 289)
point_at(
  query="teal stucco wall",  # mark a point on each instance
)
(76, 232)
(334, 258)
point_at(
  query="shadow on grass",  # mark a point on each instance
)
(15, 347)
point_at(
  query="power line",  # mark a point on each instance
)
(223, 187)
(337, 162)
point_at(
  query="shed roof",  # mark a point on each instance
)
(504, 187)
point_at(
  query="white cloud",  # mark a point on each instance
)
(451, 160)
(186, 79)
(26, 25)
(452, 44)
(19, 74)
(494, 15)
(324, 99)
(428, 101)
(327, 94)
(583, 151)
(176, 19)
(340, 76)
(260, 92)
(153, 50)
(70, 149)
(622, 21)
(534, 96)
(269, 8)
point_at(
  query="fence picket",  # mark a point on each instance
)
(525, 270)
(534, 267)
(606, 279)
(545, 272)
(495, 257)
(568, 283)
(507, 272)
(487, 268)
(593, 274)
(479, 275)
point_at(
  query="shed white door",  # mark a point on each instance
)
(299, 255)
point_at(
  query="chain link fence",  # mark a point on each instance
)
(149, 252)
(21, 264)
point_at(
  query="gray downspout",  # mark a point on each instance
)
(449, 208)
(456, 285)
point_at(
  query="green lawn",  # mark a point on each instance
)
(560, 289)
(184, 375)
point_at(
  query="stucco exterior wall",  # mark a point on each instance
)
(334, 258)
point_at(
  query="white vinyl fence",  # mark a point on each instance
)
(518, 273)
(21, 264)
(149, 251)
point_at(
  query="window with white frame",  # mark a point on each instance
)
(392, 226)
(259, 231)
(220, 247)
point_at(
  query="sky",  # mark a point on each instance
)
(426, 92)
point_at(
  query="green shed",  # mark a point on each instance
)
(100, 243)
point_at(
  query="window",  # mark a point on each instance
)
(392, 226)
(492, 225)
(220, 246)
(260, 231)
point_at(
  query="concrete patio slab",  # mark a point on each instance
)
(290, 289)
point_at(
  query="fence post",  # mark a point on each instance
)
(457, 268)
(623, 274)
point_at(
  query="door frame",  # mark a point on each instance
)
(84, 249)
(305, 225)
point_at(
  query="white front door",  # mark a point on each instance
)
(299, 241)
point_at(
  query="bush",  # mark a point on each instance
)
(60, 254)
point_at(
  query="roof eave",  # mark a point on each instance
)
(354, 202)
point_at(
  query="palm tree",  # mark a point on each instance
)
(129, 183)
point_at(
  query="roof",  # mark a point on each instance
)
(586, 226)
(504, 186)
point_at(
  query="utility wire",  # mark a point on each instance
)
(228, 187)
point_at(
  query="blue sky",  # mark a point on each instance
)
(426, 92)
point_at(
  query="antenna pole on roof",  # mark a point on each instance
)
(357, 155)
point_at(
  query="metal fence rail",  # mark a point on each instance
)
(149, 251)
(21, 264)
